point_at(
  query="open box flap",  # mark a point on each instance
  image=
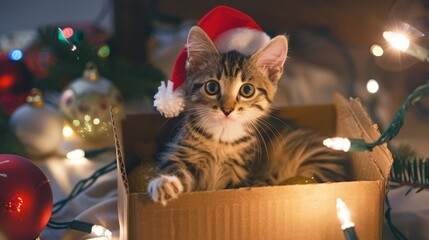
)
(354, 122)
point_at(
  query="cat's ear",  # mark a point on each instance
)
(270, 60)
(201, 49)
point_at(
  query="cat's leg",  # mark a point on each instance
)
(173, 180)
(164, 188)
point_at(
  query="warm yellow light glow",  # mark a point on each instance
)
(67, 131)
(101, 231)
(87, 118)
(338, 143)
(397, 40)
(377, 50)
(372, 86)
(343, 214)
(76, 154)
(96, 121)
(76, 123)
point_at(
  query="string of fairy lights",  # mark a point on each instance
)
(401, 41)
(80, 187)
(397, 40)
(352, 145)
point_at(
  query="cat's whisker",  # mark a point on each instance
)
(199, 123)
(270, 126)
(196, 112)
(194, 124)
(178, 123)
(260, 142)
(263, 133)
(275, 132)
(190, 123)
(277, 119)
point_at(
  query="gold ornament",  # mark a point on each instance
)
(298, 180)
(35, 98)
(86, 101)
(141, 175)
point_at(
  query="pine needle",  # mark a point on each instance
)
(409, 169)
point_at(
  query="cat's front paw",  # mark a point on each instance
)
(165, 188)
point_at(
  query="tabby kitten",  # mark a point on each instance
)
(221, 144)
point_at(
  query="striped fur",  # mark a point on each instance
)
(226, 134)
(300, 152)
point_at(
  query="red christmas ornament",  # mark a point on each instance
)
(11, 101)
(9, 74)
(25, 198)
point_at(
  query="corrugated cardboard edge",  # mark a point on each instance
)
(352, 112)
(123, 189)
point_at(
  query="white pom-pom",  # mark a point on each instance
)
(168, 102)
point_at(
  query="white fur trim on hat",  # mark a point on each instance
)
(168, 102)
(244, 40)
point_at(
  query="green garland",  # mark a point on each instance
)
(132, 79)
(8, 142)
(410, 170)
(395, 125)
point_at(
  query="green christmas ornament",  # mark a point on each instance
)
(85, 104)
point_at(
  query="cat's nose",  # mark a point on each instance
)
(226, 110)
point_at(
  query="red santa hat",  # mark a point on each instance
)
(229, 29)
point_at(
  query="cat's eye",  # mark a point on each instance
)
(212, 87)
(247, 90)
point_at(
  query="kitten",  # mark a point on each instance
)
(221, 144)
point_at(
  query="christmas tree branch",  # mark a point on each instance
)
(410, 170)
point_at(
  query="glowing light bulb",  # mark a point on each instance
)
(372, 86)
(101, 231)
(97, 230)
(343, 214)
(6, 81)
(397, 40)
(76, 123)
(377, 50)
(67, 32)
(67, 131)
(96, 121)
(76, 154)
(104, 51)
(338, 143)
(87, 118)
(62, 38)
(15, 55)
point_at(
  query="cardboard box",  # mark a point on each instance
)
(277, 212)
